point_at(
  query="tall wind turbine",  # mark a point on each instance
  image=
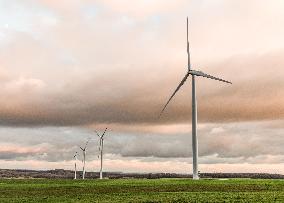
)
(101, 148)
(75, 157)
(193, 74)
(84, 158)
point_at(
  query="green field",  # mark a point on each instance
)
(141, 190)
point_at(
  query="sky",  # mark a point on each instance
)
(70, 67)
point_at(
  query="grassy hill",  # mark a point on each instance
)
(141, 190)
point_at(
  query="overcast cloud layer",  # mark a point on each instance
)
(78, 65)
(223, 144)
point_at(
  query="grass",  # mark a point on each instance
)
(141, 190)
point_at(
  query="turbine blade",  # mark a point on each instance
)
(97, 134)
(87, 143)
(81, 148)
(177, 89)
(199, 73)
(187, 35)
(187, 44)
(104, 133)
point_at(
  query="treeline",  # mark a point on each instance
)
(243, 175)
(69, 174)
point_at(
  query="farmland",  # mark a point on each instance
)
(141, 190)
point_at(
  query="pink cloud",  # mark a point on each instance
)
(18, 149)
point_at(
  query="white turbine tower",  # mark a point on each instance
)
(193, 74)
(84, 158)
(75, 157)
(101, 148)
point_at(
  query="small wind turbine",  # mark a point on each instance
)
(101, 148)
(84, 158)
(75, 157)
(193, 73)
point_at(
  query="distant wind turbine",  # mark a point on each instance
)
(75, 157)
(84, 158)
(193, 73)
(101, 148)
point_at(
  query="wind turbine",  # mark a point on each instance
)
(84, 158)
(193, 74)
(75, 156)
(101, 148)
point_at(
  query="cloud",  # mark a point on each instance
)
(17, 152)
(120, 98)
(218, 143)
(236, 142)
(81, 71)
(142, 9)
(23, 84)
